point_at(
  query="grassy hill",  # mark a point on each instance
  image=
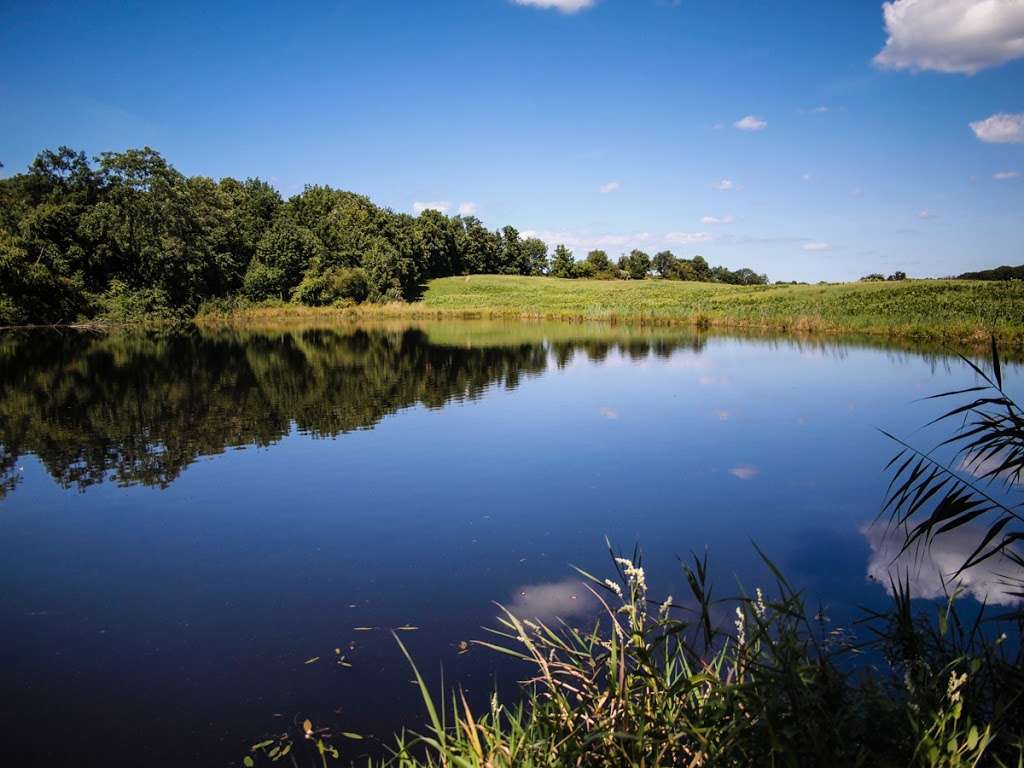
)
(952, 309)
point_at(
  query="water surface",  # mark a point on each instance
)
(187, 518)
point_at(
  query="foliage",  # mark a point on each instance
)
(929, 496)
(999, 273)
(71, 228)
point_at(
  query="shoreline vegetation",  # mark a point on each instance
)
(126, 239)
(962, 313)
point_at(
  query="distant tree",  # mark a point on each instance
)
(873, 277)
(535, 253)
(599, 260)
(636, 265)
(664, 263)
(897, 275)
(478, 247)
(562, 263)
(701, 270)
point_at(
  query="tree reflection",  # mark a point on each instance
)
(139, 408)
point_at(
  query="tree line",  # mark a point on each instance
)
(127, 234)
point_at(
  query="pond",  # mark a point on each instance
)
(195, 527)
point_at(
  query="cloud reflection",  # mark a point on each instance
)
(565, 599)
(930, 570)
(745, 472)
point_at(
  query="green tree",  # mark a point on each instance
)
(599, 260)
(562, 263)
(283, 255)
(637, 264)
(535, 253)
(664, 263)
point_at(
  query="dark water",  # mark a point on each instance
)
(186, 519)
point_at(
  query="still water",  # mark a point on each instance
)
(187, 519)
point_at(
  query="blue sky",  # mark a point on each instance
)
(601, 123)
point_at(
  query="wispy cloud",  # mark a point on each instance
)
(434, 205)
(819, 110)
(578, 240)
(1000, 128)
(611, 186)
(467, 209)
(1005, 175)
(957, 36)
(608, 413)
(745, 472)
(926, 215)
(688, 238)
(816, 245)
(750, 123)
(716, 219)
(563, 6)
(726, 185)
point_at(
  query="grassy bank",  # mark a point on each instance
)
(950, 310)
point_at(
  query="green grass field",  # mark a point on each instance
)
(952, 310)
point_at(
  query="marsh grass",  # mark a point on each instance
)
(951, 311)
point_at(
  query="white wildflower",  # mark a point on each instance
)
(663, 610)
(759, 606)
(741, 623)
(955, 684)
(613, 587)
(633, 573)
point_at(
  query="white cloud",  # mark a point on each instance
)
(806, 177)
(435, 205)
(726, 185)
(716, 219)
(816, 246)
(584, 241)
(819, 110)
(745, 472)
(611, 186)
(932, 571)
(563, 6)
(566, 599)
(962, 36)
(608, 413)
(467, 209)
(688, 238)
(1000, 128)
(926, 215)
(1005, 175)
(750, 123)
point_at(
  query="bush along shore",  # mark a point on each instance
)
(757, 679)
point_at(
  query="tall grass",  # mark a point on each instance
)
(663, 683)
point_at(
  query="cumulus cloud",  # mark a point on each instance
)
(932, 572)
(962, 36)
(716, 219)
(434, 205)
(467, 209)
(750, 123)
(1005, 175)
(563, 6)
(816, 246)
(726, 185)
(688, 238)
(611, 186)
(1000, 128)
